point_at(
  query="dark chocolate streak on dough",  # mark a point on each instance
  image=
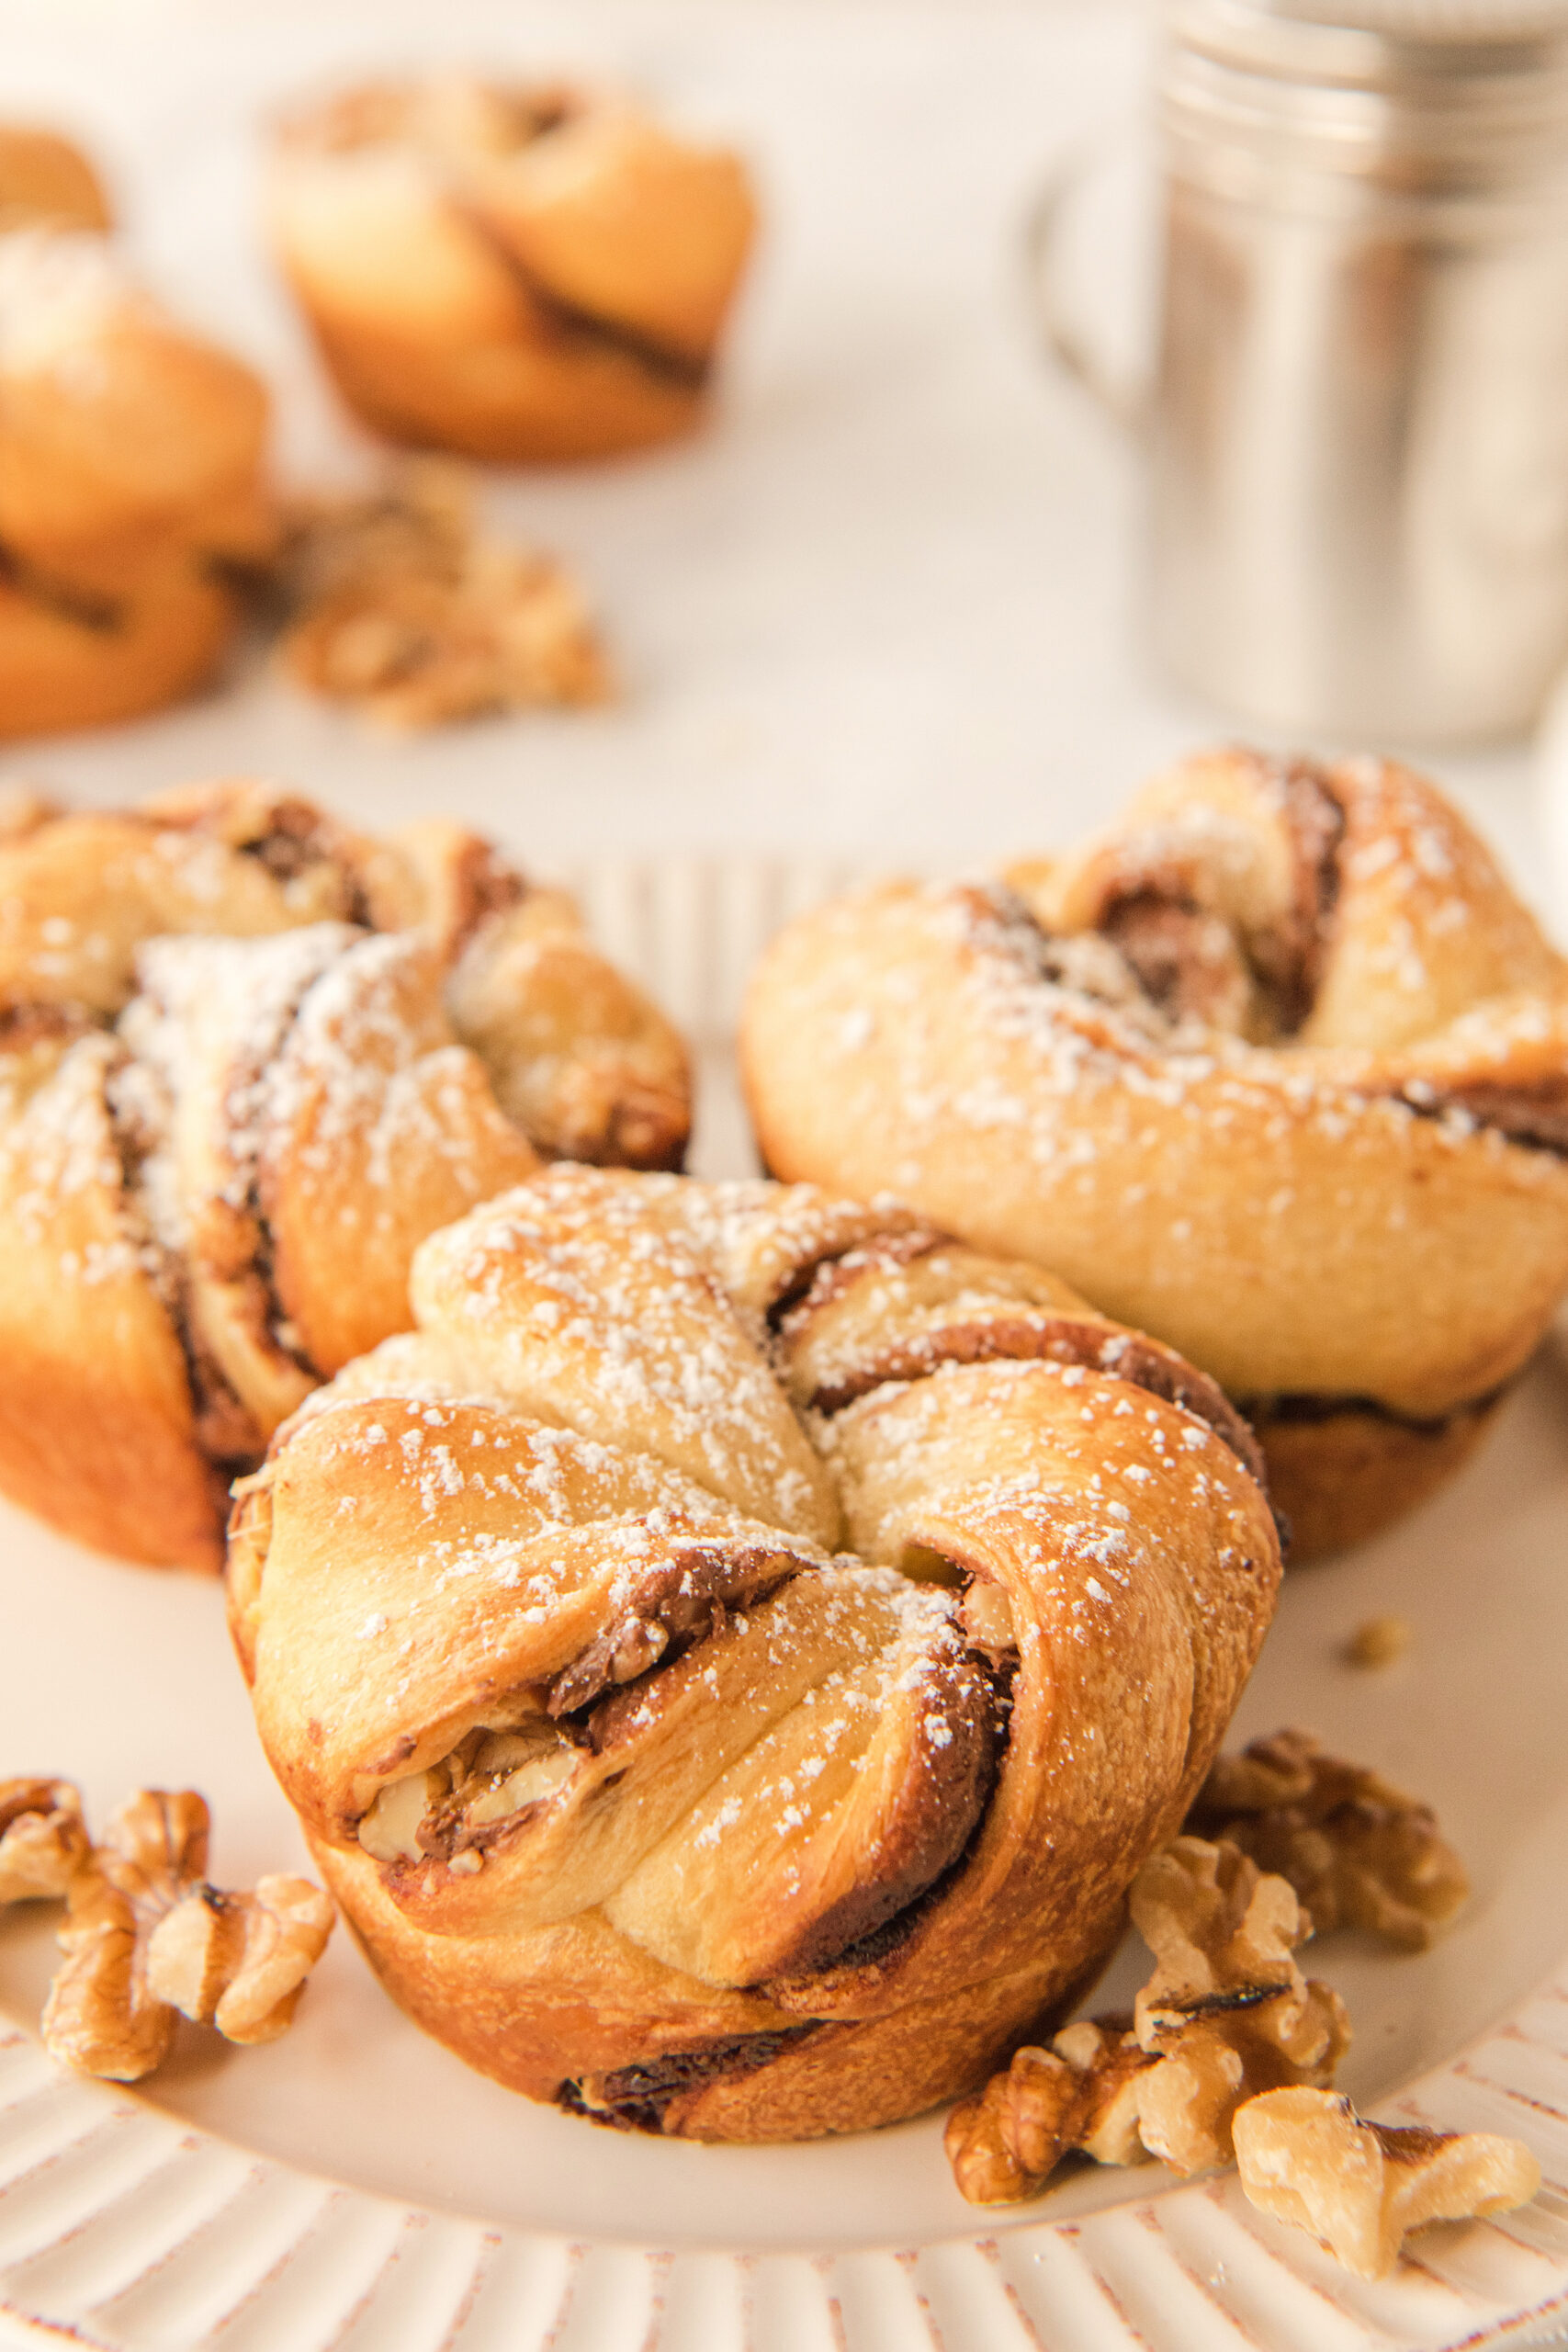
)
(686, 1601)
(633, 2098)
(1316, 822)
(656, 359)
(86, 608)
(1535, 1116)
(1264, 1411)
(1119, 1356)
(1158, 926)
(223, 1427)
(822, 1279)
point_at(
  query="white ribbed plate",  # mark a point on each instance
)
(204, 2211)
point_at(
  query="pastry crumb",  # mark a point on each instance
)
(1378, 1642)
(400, 605)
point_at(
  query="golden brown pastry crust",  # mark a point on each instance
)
(1340, 1473)
(132, 468)
(802, 1836)
(512, 273)
(237, 1084)
(1277, 1068)
(44, 177)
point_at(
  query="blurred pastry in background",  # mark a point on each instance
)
(1277, 1069)
(44, 178)
(133, 490)
(512, 273)
(400, 606)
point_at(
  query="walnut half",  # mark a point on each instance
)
(1081, 2092)
(1307, 2157)
(147, 1937)
(43, 1839)
(1357, 1850)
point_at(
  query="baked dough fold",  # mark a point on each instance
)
(133, 489)
(642, 1793)
(1278, 1068)
(248, 1059)
(512, 273)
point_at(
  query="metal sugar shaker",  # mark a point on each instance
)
(1360, 437)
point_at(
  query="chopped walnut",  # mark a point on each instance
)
(1307, 2157)
(147, 1937)
(1359, 1851)
(1378, 1642)
(400, 606)
(1227, 2010)
(43, 1839)
(1227, 2014)
(1080, 2093)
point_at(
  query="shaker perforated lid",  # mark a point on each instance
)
(1376, 44)
(1463, 96)
(1431, 21)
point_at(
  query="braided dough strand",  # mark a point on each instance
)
(644, 1797)
(1277, 1068)
(513, 272)
(236, 1091)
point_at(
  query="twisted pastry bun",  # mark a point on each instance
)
(248, 1059)
(45, 177)
(131, 473)
(513, 272)
(643, 1796)
(1277, 1068)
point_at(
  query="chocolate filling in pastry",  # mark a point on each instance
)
(676, 1607)
(139, 1104)
(225, 1431)
(633, 2099)
(1186, 958)
(1536, 1116)
(72, 604)
(1122, 1355)
(824, 1278)
(1306, 1411)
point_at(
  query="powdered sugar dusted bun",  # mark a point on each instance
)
(248, 1060)
(511, 272)
(642, 1793)
(1277, 1068)
(132, 468)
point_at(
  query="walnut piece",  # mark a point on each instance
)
(1359, 1851)
(1227, 2010)
(1227, 2013)
(43, 1839)
(1307, 2157)
(1291, 1842)
(401, 607)
(1081, 2092)
(146, 1938)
